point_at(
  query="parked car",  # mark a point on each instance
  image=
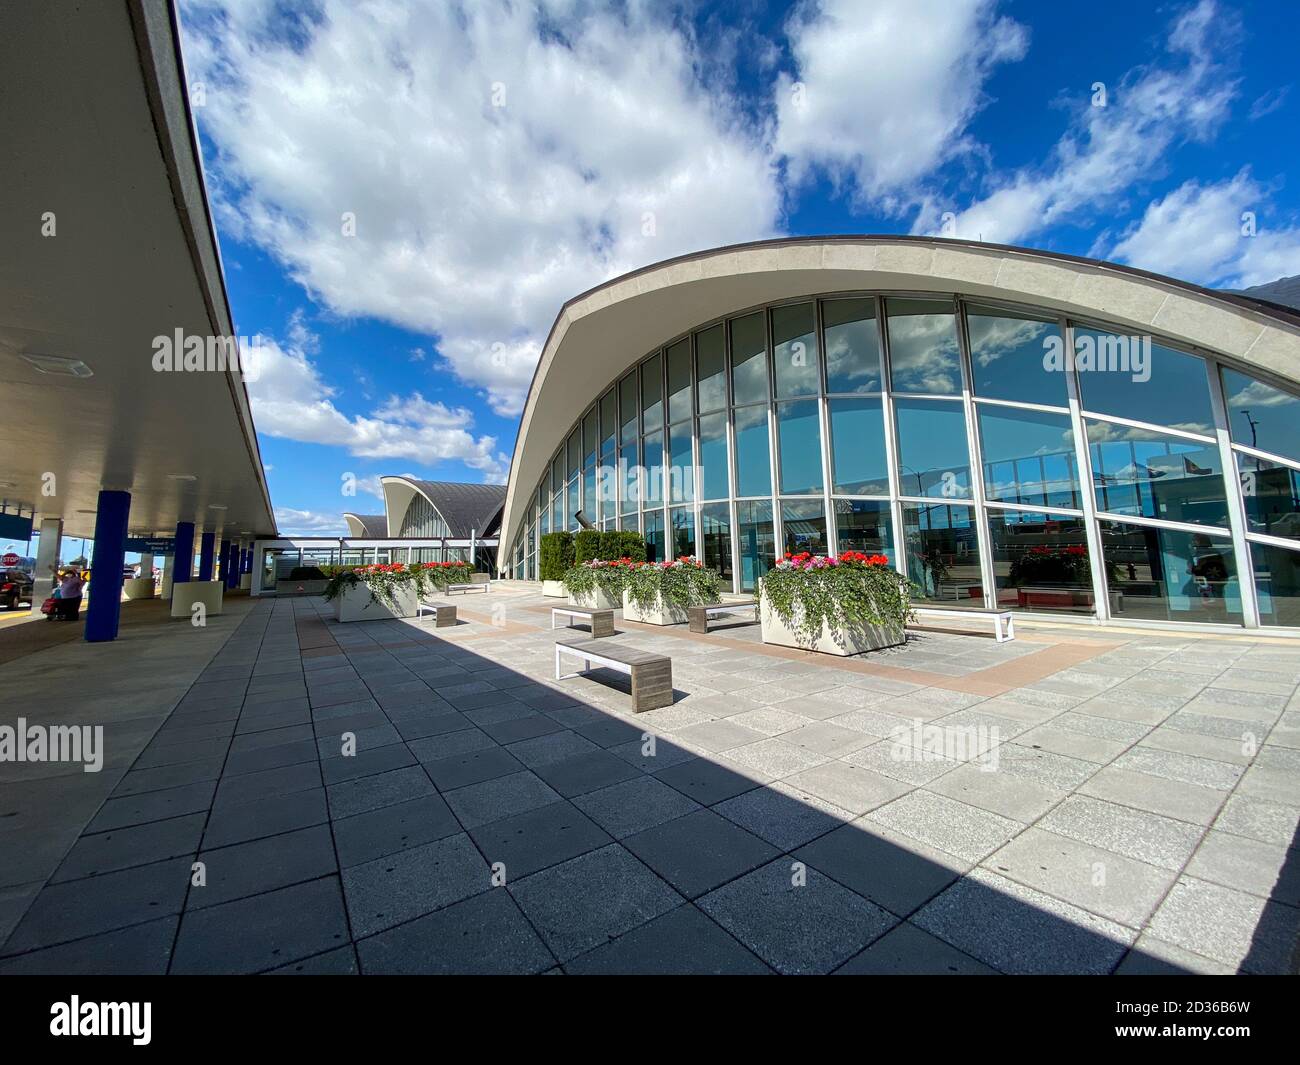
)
(15, 587)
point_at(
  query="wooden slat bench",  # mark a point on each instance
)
(699, 615)
(652, 674)
(444, 614)
(1004, 626)
(601, 621)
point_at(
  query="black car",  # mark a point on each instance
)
(15, 587)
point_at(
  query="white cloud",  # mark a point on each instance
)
(291, 522)
(473, 222)
(291, 400)
(1198, 233)
(1109, 148)
(883, 92)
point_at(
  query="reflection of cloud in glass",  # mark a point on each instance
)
(1257, 394)
(995, 338)
(923, 348)
(853, 357)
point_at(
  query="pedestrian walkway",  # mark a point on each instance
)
(1134, 811)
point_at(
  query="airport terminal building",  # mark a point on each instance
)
(1020, 429)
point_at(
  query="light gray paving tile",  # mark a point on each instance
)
(1184, 768)
(719, 735)
(1018, 798)
(1072, 744)
(946, 824)
(848, 787)
(1269, 822)
(1231, 927)
(1136, 834)
(770, 721)
(784, 815)
(775, 758)
(1143, 791)
(826, 738)
(1263, 869)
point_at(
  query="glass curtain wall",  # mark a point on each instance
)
(997, 454)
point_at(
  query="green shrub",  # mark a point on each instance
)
(678, 583)
(555, 555)
(587, 545)
(624, 543)
(586, 577)
(848, 594)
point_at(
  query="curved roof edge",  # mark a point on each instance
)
(655, 303)
(369, 526)
(468, 509)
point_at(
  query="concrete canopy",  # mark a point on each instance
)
(466, 508)
(106, 243)
(601, 333)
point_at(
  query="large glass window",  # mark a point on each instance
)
(1132, 377)
(654, 535)
(627, 401)
(713, 456)
(711, 368)
(1277, 584)
(681, 474)
(608, 422)
(629, 478)
(715, 532)
(749, 359)
(864, 525)
(943, 558)
(1016, 357)
(575, 452)
(803, 526)
(1271, 493)
(799, 433)
(794, 350)
(1169, 574)
(590, 505)
(923, 352)
(679, 380)
(1028, 457)
(753, 468)
(1040, 562)
(1149, 474)
(652, 458)
(575, 504)
(858, 447)
(755, 539)
(652, 400)
(590, 438)
(933, 459)
(683, 519)
(852, 345)
(1262, 416)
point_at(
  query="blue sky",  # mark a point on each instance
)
(406, 193)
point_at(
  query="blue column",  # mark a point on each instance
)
(224, 557)
(207, 548)
(105, 607)
(232, 568)
(243, 560)
(183, 563)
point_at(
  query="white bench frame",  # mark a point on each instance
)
(1004, 623)
(572, 612)
(589, 657)
(431, 608)
(727, 608)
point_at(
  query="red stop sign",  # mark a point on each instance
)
(10, 559)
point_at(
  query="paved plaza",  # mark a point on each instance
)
(1132, 809)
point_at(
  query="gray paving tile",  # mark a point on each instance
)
(153, 806)
(795, 919)
(1231, 927)
(1183, 768)
(241, 822)
(461, 770)
(126, 847)
(490, 800)
(783, 815)
(263, 932)
(342, 961)
(1015, 929)
(591, 899)
(1137, 834)
(680, 942)
(706, 780)
(1259, 819)
(906, 950)
(587, 772)
(413, 882)
(484, 934)
(263, 865)
(848, 787)
(536, 839)
(366, 836)
(634, 805)
(141, 950)
(1263, 869)
(699, 851)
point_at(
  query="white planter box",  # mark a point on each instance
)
(353, 604)
(138, 588)
(555, 589)
(872, 638)
(660, 613)
(596, 599)
(187, 593)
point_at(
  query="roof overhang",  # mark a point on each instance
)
(100, 145)
(398, 493)
(601, 333)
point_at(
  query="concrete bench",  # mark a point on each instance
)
(601, 621)
(652, 674)
(699, 615)
(1004, 626)
(444, 614)
(482, 586)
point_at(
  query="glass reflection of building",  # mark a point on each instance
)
(938, 432)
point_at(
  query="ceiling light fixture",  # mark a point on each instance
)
(59, 365)
(217, 506)
(181, 477)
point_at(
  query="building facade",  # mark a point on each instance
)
(1045, 434)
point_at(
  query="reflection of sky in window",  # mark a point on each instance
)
(710, 364)
(1136, 471)
(753, 474)
(1007, 359)
(1177, 394)
(923, 347)
(794, 350)
(852, 346)
(799, 432)
(748, 359)
(932, 442)
(1262, 416)
(858, 447)
(1028, 457)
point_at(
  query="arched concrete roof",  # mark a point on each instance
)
(369, 526)
(600, 333)
(466, 508)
